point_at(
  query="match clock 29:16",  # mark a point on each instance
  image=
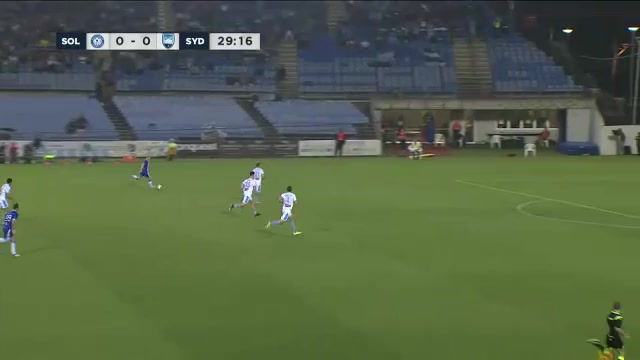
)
(234, 41)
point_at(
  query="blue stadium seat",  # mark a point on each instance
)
(161, 117)
(46, 115)
(326, 66)
(388, 45)
(519, 67)
(306, 117)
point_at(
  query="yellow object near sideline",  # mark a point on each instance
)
(422, 156)
(49, 157)
(172, 151)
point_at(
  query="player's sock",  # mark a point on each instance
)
(3, 240)
(293, 226)
(13, 248)
(255, 211)
(257, 196)
(150, 184)
(236, 206)
(275, 222)
(134, 177)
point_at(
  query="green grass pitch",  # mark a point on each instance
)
(398, 260)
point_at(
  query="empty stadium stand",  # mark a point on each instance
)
(27, 80)
(163, 117)
(305, 117)
(519, 67)
(25, 116)
(221, 77)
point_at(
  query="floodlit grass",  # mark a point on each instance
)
(398, 260)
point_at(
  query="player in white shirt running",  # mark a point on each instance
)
(4, 194)
(247, 190)
(258, 177)
(287, 199)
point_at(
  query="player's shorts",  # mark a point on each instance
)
(615, 342)
(144, 174)
(258, 185)
(286, 214)
(246, 199)
(7, 233)
(4, 203)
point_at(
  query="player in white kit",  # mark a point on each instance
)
(4, 194)
(248, 185)
(258, 177)
(288, 199)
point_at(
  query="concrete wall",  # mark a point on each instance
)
(579, 125)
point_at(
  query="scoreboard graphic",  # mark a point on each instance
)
(157, 41)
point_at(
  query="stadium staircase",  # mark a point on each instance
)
(473, 70)
(118, 120)
(336, 13)
(165, 15)
(267, 128)
(288, 58)
(365, 131)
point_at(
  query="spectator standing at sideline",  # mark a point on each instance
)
(341, 138)
(172, 151)
(457, 132)
(402, 139)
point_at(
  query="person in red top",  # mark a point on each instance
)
(402, 138)
(544, 137)
(457, 132)
(13, 153)
(341, 138)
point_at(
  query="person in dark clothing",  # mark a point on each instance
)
(457, 132)
(615, 336)
(400, 124)
(614, 344)
(341, 138)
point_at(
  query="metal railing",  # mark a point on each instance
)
(209, 132)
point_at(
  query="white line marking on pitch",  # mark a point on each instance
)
(521, 210)
(548, 199)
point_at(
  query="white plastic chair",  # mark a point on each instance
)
(530, 149)
(440, 140)
(545, 143)
(496, 141)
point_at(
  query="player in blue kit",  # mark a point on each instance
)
(144, 172)
(9, 229)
